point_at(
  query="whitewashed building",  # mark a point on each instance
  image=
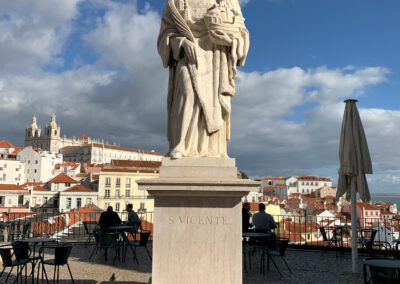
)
(12, 195)
(76, 197)
(69, 168)
(309, 184)
(12, 172)
(39, 164)
(47, 197)
(103, 154)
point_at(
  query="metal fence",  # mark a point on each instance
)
(306, 230)
(300, 230)
(67, 225)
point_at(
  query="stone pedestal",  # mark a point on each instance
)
(197, 221)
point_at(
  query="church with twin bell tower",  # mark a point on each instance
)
(51, 139)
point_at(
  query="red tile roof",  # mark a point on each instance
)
(274, 178)
(63, 178)
(59, 165)
(16, 151)
(31, 184)
(40, 188)
(6, 144)
(268, 188)
(367, 206)
(313, 178)
(11, 187)
(135, 163)
(308, 199)
(79, 188)
(330, 197)
(280, 184)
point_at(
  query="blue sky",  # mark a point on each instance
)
(287, 33)
(95, 64)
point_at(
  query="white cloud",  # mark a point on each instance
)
(285, 121)
(33, 32)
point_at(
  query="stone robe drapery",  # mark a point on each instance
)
(198, 104)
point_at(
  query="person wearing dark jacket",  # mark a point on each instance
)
(246, 218)
(109, 218)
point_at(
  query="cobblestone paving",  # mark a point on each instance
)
(308, 266)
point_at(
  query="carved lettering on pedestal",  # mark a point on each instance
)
(199, 220)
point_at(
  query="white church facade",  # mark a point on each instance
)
(51, 140)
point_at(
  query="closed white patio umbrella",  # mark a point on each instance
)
(355, 162)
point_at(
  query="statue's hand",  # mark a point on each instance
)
(190, 51)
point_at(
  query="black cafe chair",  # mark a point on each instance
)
(61, 255)
(144, 238)
(333, 240)
(88, 232)
(20, 263)
(281, 246)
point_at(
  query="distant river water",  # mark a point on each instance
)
(389, 198)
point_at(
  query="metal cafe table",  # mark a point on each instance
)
(382, 263)
(121, 229)
(261, 236)
(36, 241)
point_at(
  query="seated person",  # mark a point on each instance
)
(133, 218)
(264, 223)
(109, 218)
(246, 218)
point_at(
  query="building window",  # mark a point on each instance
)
(69, 201)
(107, 193)
(67, 184)
(117, 193)
(302, 183)
(376, 213)
(4, 176)
(127, 193)
(78, 203)
(35, 171)
(366, 213)
(302, 191)
(128, 182)
(117, 207)
(311, 183)
(88, 201)
(316, 183)
(36, 162)
(45, 200)
(307, 183)
(29, 161)
(118, 182)
(108, 181)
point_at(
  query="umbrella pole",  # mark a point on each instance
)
(354, 248)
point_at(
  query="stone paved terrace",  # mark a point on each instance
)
(308, 266)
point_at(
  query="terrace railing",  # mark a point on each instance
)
(301, 230)
(304, 230)
(66, 225)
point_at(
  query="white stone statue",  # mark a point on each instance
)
(202, 42)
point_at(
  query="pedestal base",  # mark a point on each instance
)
(197, 222)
